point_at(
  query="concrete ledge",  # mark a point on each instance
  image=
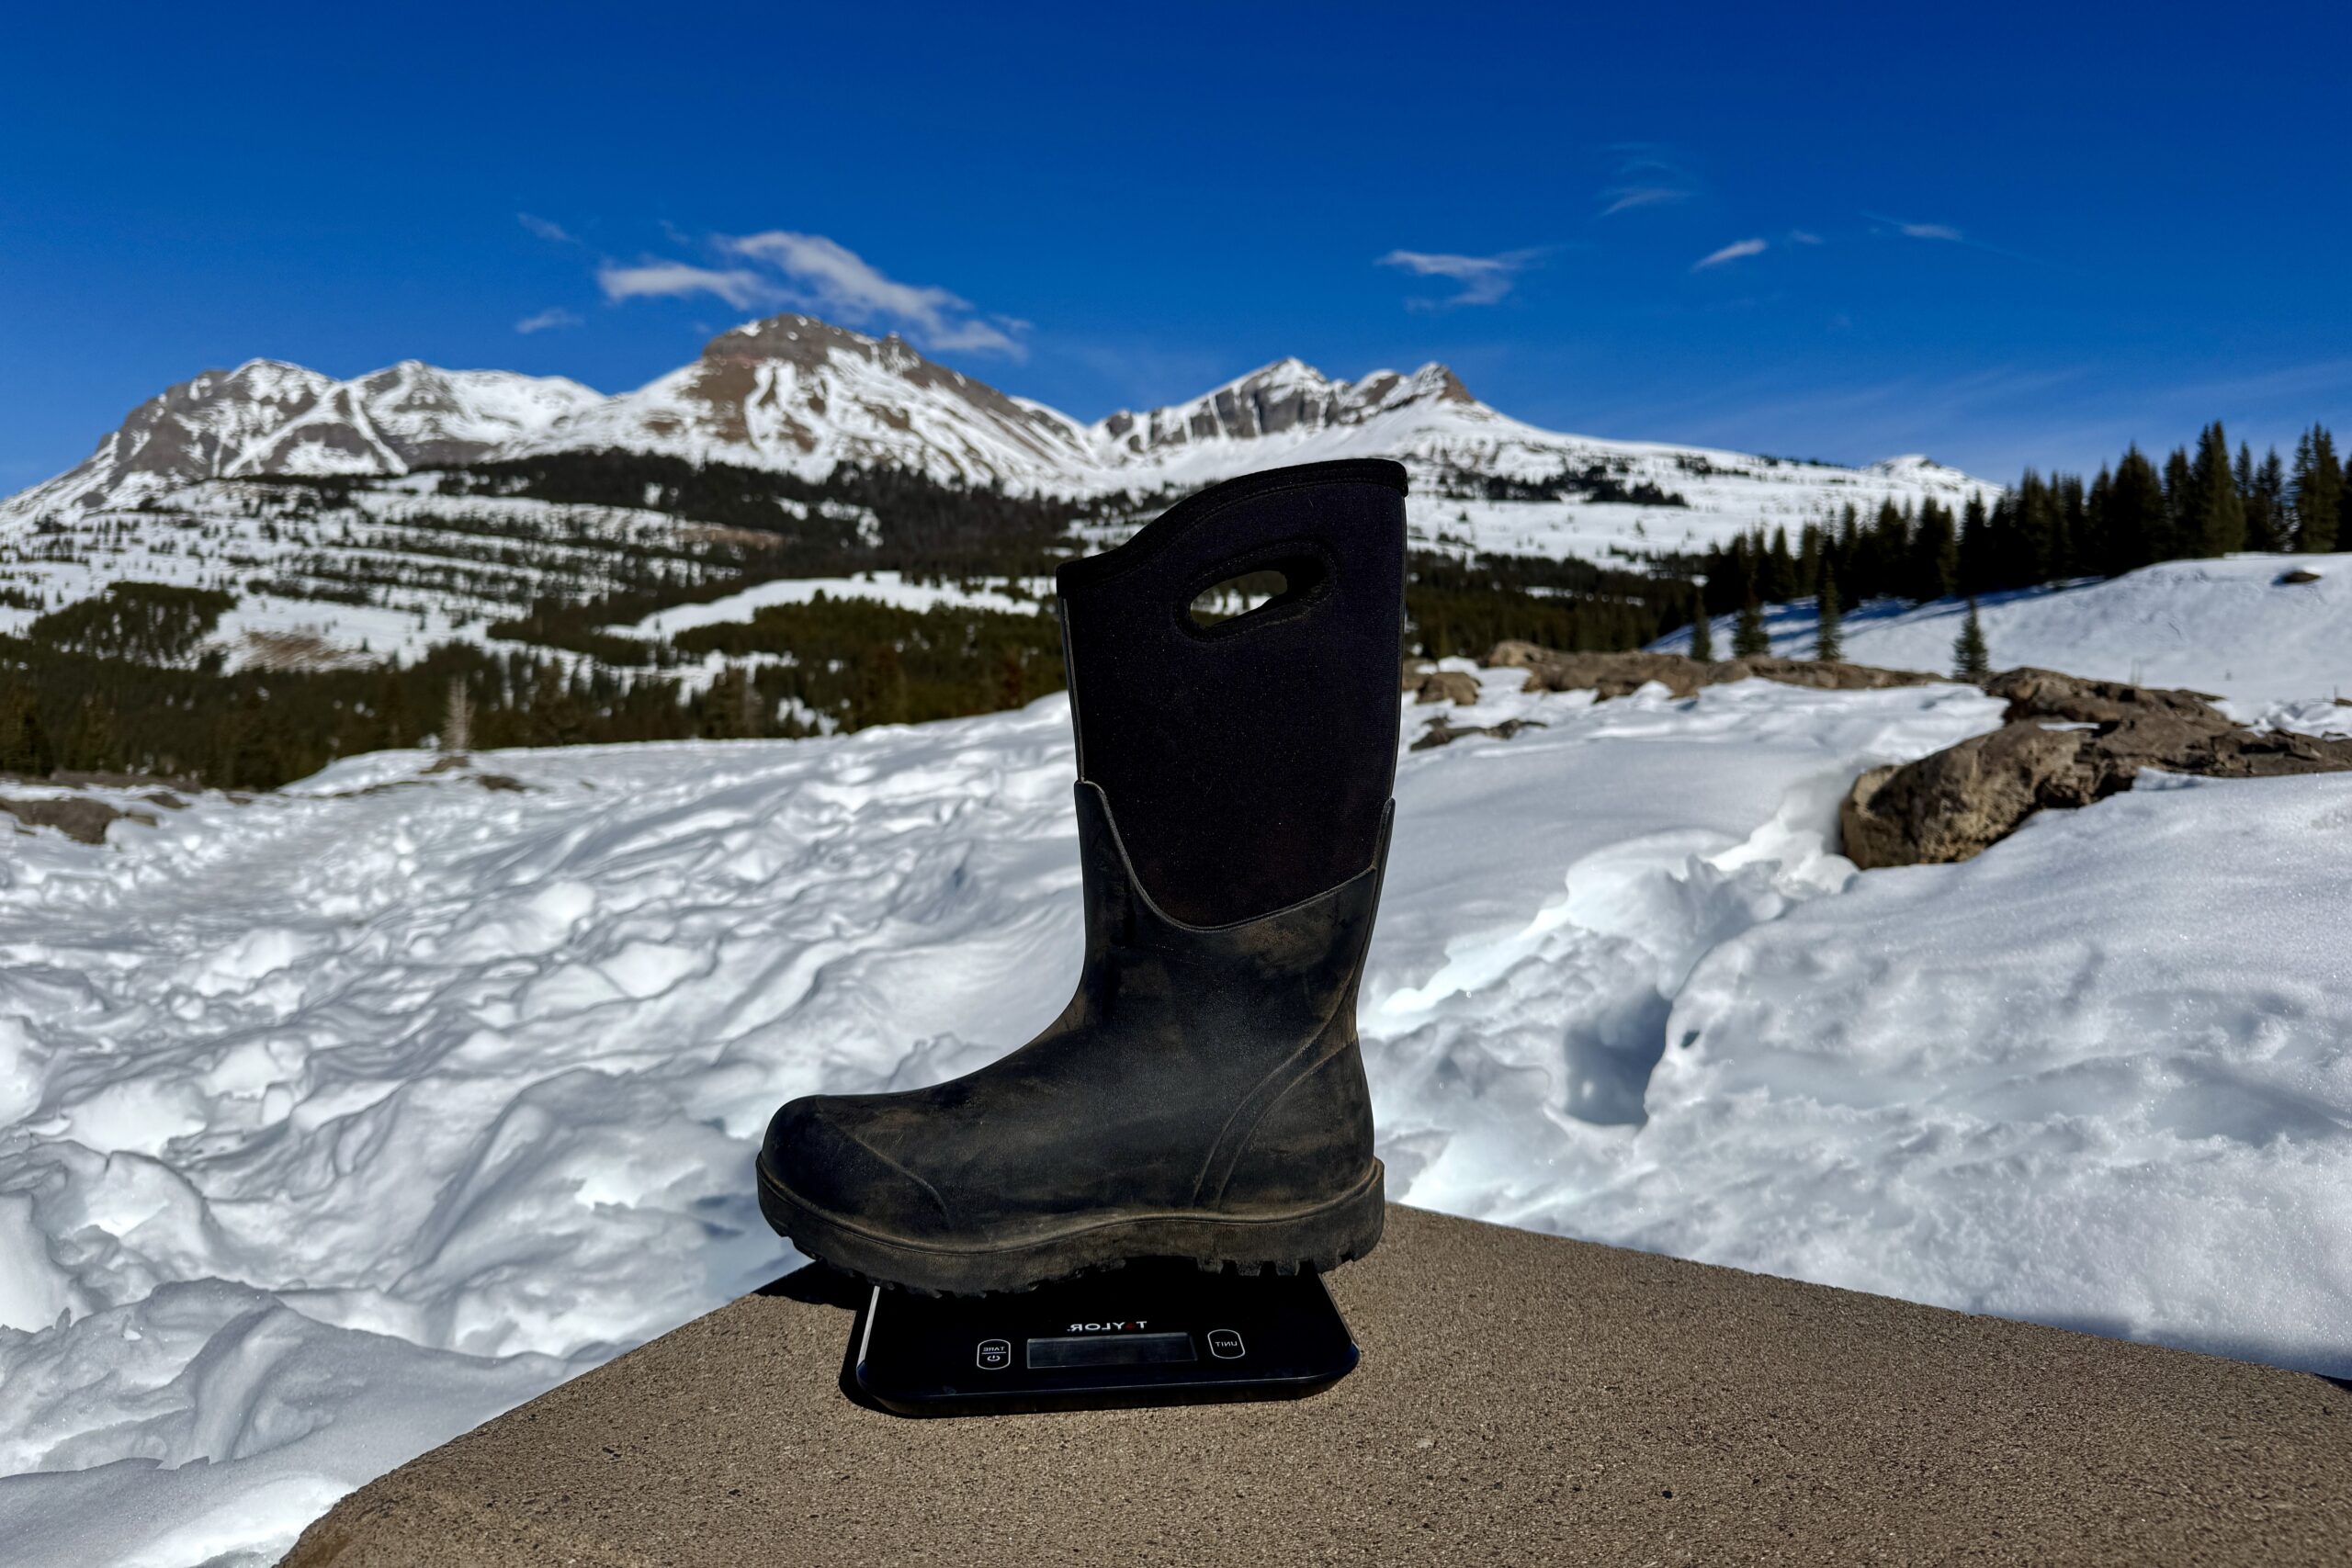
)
(1522, 1399)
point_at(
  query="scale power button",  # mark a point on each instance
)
(1225, 1344)
(995, 1355)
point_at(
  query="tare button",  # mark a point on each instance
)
(1225, 1344)
(995, 1355)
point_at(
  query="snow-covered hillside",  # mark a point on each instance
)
(2235, 627)
(381, 563)
(333, 1123)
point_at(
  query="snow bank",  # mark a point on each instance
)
(332, 1123)
(2229, 627)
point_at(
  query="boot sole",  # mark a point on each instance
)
(1321, 1237)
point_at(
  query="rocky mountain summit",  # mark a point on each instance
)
(270, 418)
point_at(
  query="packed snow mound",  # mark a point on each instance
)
(2234, 627)
(335, 1123)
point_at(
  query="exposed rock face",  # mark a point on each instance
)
(1288, 395)
(1957, 803)
(1622, 674)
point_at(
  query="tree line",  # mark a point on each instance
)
(2201, 501)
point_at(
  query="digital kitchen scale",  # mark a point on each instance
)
(1156, 1332)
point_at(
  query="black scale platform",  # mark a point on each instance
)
(1156, 1332)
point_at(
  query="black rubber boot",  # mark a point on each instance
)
(1202, 1096)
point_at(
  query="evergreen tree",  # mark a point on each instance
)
(1748, 640)
(395, 721)
(2033, 545)
(1975, 551)
(246, 752)
(732, 709)
(2178, 536)
(2213, 518)
(2318, 488)
(553, 716)
(2095, 547)
(1702, 639)
(24, 745)
(1935, 555)
(2262, 491)
(90, 746)
(1829, 639)
(1970, 661)
(1779, 572)
(2135, 525)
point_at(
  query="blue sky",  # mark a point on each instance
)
(2000, 236)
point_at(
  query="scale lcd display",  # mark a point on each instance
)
(1111, 1349)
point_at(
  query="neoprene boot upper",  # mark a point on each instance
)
(1202, 1094)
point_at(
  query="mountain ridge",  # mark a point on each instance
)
(796, 394)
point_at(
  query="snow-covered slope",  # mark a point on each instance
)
(2233, 627)
(331, 1124)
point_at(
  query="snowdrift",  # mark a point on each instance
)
(2276, 650)
(335, 1123)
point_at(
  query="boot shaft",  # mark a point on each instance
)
(1248, 763)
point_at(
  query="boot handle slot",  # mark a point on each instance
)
(1303, 569)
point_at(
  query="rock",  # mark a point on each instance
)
(79, 818)
(2046, 694)
(1441, 733)
(1622, 674)
(1965, 798)
(1449, 686)
(2301, 574)
(1426, 683)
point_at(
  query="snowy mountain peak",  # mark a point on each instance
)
(269, 417)
(1287, 396)
(796, 393)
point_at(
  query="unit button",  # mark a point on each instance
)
(995, 1355)
(1225, 1344)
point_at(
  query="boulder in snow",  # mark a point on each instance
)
(1959, 802)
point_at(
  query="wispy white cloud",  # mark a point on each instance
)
(1624, 198)
(546, 229)
(836, 281)
(1731, 252)
(554, 316)
(678, 280)
(1648, 175)
(1484, 279)
(1946, 233)
(782, 269)
(1803, 237)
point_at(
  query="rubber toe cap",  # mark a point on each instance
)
(814, 1152)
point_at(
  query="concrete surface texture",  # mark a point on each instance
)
(1521, 1399)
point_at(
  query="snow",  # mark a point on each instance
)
(333, 1123)
(2230, 627)
(882, 587)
